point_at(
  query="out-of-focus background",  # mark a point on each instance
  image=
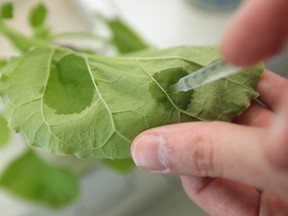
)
(163, 23)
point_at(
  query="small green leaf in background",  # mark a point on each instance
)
(37, 15)
(4, 132)
(6, 10)
(121, 165)
(124, 38)
(33, 179)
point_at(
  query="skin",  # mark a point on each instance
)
(238, 168)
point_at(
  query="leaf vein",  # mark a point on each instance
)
(168, 97)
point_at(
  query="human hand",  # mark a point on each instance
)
(234, 173)
(239, 168)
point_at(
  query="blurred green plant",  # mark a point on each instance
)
(4, 132)
(6, 10)
(32, 179)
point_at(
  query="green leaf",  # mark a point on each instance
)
(94, 106)
(121, 165)
(6, 10)
(32, 179)
(9, 65)
(4, 131)
(38, 15)
(124, 38)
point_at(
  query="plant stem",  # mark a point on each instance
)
(21, 42)
(78, 35)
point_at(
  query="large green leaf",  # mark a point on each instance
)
(94, 106)
(31, 178)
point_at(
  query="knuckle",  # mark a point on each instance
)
(201, 153)
(201, 150)
(196, 154)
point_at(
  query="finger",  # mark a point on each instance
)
(255, 115)
(272, 89)
(272, 205)
(213, 149)
(277, 141)
(258, 31)
(221, 197)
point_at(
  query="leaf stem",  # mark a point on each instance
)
(84, 35)
(21, 41)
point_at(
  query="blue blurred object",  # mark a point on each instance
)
(217, 4)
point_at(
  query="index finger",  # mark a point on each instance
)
(272, 89)
(259, 30)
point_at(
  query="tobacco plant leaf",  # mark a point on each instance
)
(37, 15)
(94, 106)
(34, 180)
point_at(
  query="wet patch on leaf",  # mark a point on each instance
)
(161, 89)
(70, 88)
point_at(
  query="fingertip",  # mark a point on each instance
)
(257, 32)
(147, 152)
